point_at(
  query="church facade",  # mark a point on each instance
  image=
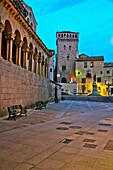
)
(24, 58)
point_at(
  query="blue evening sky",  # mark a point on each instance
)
(93, 19)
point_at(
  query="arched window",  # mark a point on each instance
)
(68, 57)
(64, 47)
(70, 47)
(63, 80)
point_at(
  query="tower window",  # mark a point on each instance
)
(58, 35)
(50, 69)
(70, 47)
(63, 68)
(64, 47)
(68, 57)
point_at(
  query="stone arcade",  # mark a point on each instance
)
(24, 58)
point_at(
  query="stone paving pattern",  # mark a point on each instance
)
(69, 135)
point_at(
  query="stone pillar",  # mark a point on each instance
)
(36, 63)
(12, 35)
(26, 57)
(40, 67)
(19, 53)
(23, 58)
(1, 30)
(43, 67)
(46, 71)
(31, 61)
(7, 50)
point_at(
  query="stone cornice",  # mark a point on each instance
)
(8, 4)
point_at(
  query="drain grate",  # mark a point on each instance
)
(62, 128)
(105, 124)
(75, 127)
(102, 130)
(80, 132)
(89, 140)
(66, 123)
(88, 145)
(109, 145)
(67, 141)
(90, 133)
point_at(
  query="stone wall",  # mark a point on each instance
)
(20, 86)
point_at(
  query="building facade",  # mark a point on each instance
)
(24, 58)
(67, 52)
(90, 70)
(108, 77)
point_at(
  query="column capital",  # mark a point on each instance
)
(20, 43)
(36, 56)
(10, 35)
(1, 27)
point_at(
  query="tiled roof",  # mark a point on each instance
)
(96, 58)
(109, 64)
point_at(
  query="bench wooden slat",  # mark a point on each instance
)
(16, 110)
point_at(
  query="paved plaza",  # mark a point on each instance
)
(69, 135)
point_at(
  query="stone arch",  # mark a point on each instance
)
(16, 44)
(63, 80)
(6, 35)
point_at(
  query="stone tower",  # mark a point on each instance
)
(67, 52)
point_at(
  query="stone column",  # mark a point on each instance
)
(12, 35)
(40, 67)
(7, 50)
(36, 63)
(43, 67)
(47, 71)
(31, 61)
(26, 56)
(1, 30)
(19, 53)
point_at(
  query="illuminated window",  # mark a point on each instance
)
(91, 64)
(106, 81)
(88, 75)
